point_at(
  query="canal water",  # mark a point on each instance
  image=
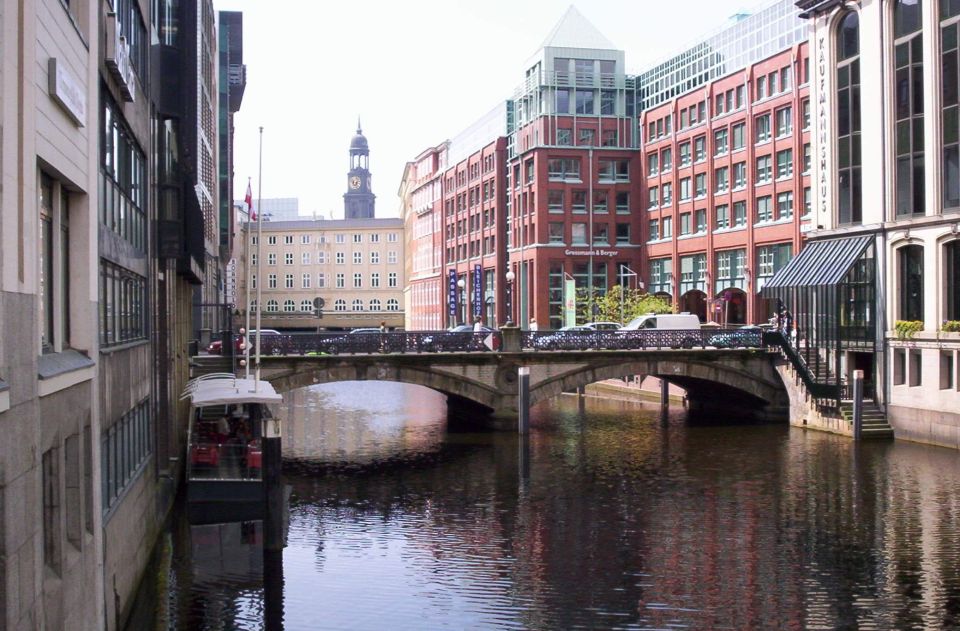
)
(605, 518)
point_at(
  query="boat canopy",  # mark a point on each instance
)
(226, 389)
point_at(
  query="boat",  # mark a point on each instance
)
(224, 464)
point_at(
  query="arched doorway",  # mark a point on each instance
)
(733, 303)
(695, 302)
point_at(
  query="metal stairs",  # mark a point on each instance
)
(875, 423)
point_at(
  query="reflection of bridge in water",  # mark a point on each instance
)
(742, 378)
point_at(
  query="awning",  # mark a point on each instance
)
(226, 390)
(819, 264)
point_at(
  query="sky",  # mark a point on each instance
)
(416, 73)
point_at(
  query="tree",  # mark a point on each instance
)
(636, 302)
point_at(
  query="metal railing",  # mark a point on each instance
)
(642, 339)
(214, 460)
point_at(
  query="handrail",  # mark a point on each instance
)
(816, 390)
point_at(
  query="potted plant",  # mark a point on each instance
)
(906, 329)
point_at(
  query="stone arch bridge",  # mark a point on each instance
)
(721, 379)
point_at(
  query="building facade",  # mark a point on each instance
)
(352, 269)
(51, 541)
(886, 148)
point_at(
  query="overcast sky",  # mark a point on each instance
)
(417, 73)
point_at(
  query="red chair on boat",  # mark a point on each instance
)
(205, 455)
(254, 456)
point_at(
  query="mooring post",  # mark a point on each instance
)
(581, 391)
(523, 401)
(857, 404)
(664, 400)
(272, 485)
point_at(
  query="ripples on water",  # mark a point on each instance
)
(603, 519)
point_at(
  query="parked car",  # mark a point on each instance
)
(566, 338)
(467, 328)
(353, 341)
(671, 321)
(745, 337)
(216, 346)
(603, 326)
(464, 341)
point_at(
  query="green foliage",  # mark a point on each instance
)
(635, 302)
(906, 329)
(951, 326)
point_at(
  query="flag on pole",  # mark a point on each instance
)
(249, 201)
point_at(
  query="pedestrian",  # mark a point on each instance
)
(477, 326)
(383, 326)
(533, 324)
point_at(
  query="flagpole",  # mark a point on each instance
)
(246, 255)
(256, 383)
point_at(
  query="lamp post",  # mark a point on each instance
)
(510, 276)
(463, 311)
(624, 272)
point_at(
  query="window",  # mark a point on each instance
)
(125, 446)
(357, 304)
(51, 509)
(392, 257)
(786, 78)
(770, 259)
(623, 233)
(608, 102)
(784, 121)
(764, 209)
(305, 239)
(946, 370)
(722, 213)
(653, 197)
(685, 189)
(374, 237)
(288, 258)
(54, 244)
(667, 194)
(586, 137)
(563, 105)
(564, 136)
(739, 175)
(653, 229)
(601, 234)
(666, 225)
(321, 258)
(393, 305)
(341, 280)
(761, 128)
(375, 280)
(253, 281)
(357, 258)
(122, 305)
(253, 240)
(375, 304)
(271, 258)
(288, 281)
(272, 240)
(848, 120)
(916, 367)
(555, 201)
(357, 280)
(666, 159)
(340, 258)
(306, 306)
(555, 230)
(764, 170)
(392, 279)
(739, 213)
(653, 164)
(720, 142)
(805, 113)
(784, 163)
(623, 202)
(321, 280)
(739, 132)
(606, 171)
(305, 281)
(374, 257)
(123, 180)
(807, 201)
(785, 205)
(721, 179)
(699, 148)
(305, 258)
(700, 184)
(684, 154)
(951, 262)
(908, 108)
(910, 280)
(563, 169)
(288, 239)
(392, 237)
(578, 233)
(289, 306)
(340, 238)
(272, 306)
(584, 101)
(899, 366)
(761, 88)
(807, 158)
(684, 224)
(271, 281)
(357, 238)
(700, 220)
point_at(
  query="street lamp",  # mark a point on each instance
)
(625, 271)
(463, 308)
(510, 276)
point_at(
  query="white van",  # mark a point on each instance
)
(672, 321)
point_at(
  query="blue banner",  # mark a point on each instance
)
(452, 293)
(477, 290)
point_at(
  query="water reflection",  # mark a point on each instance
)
(617, 521)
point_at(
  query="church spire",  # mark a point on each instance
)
(359, 129)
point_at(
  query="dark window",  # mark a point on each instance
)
(123, 179)
(848, 120)
(122, 305)
(908, 57)
(910, 263)
(949, 70)
(951, 260)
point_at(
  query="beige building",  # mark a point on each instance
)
(352, 268)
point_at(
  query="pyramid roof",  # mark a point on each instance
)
(575, 31)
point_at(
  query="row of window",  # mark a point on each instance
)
(729, 265)
(339, 258)
(305, 239)
(340, 281)
(122, 179)
(556, 201)
(568, 169)
(306, 306)
(123, 449)
(578, 233)
(122, 305)
(727, 139)
(910, 281)
(728, 216)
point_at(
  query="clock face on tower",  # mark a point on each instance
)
(355, 182)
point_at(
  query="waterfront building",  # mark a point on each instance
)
(51, 541)
(727, 160)
(231, 82)
(887, 176)
(352, 269)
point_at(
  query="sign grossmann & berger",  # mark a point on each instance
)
(596, 252)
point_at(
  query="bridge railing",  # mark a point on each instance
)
(642, 339)
(375, 342)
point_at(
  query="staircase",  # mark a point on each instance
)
(875, 423)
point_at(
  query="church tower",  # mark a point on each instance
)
(358, 201)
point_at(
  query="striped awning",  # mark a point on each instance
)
(819, 264)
